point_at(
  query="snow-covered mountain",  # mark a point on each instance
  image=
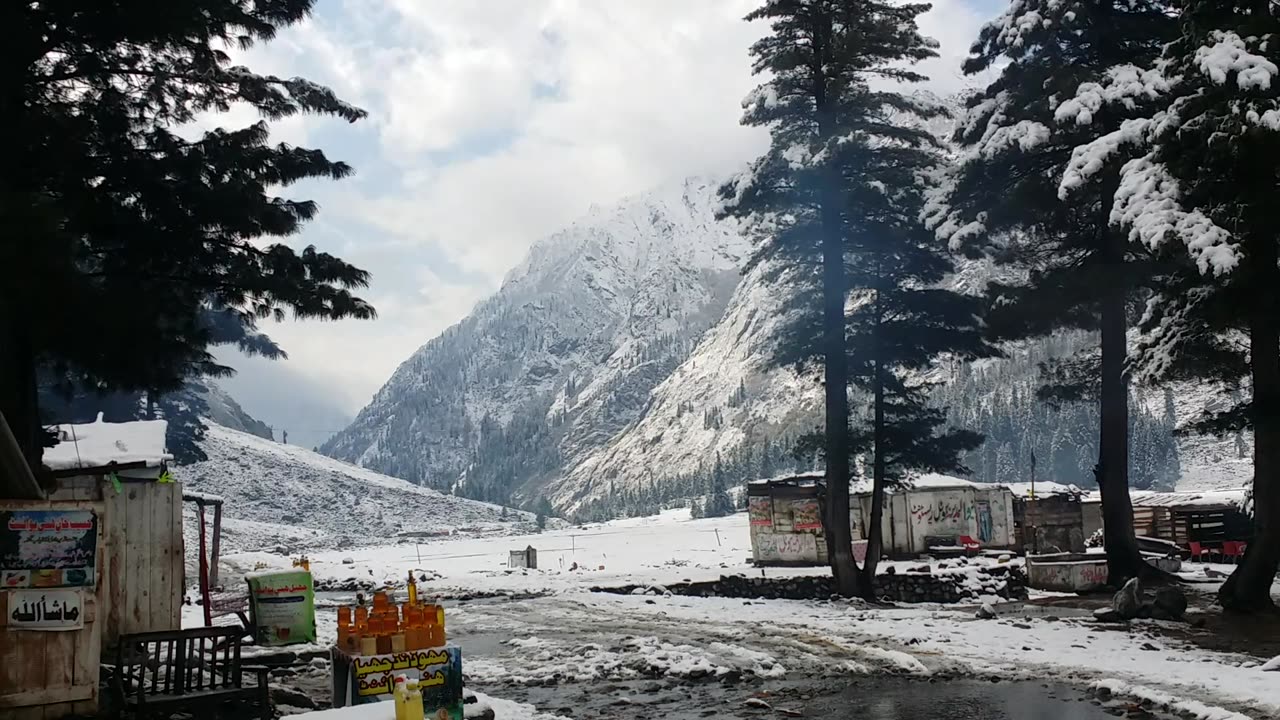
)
(627, 360)
(563, 358)
(724, 395)
(288, 498)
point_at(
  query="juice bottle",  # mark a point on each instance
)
(414, 701)
(344, 626)
(360, 638)
(413, 590)
(398, 643)
(401, 695)
(412, 633)
(384, 631)
(368, 643)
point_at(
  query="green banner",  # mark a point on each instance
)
(284, 607)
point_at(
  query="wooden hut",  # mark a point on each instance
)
(94, 552)
(935, 513)
(1048, 517)
(1209, 518)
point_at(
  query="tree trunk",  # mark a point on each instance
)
(835, 370)
(1123, 559)
(1249, 587)
(18, 399)
(836, 377)
(875, 534)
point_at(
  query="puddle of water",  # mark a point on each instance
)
(896, 699)
(857, 699)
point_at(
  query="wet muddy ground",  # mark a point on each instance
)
(567, 661)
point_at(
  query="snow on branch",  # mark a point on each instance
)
(946, 222)
(1089, 159)
(1122, 84)
(1147, 202)
(1230, 54)
(1019, 21)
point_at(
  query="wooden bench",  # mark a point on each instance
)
(160, 673)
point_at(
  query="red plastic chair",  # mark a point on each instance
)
(969, 544)
(1234, 550)
(1199, 551)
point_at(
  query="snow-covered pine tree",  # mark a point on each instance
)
(1070, 71)
(820, 56)
(1203, 190)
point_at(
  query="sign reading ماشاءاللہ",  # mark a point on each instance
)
(283, 606)
(46, 610)
(47, 548)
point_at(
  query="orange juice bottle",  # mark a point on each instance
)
(362, 640)
(411, 640)
(385, 628)
(344, 626)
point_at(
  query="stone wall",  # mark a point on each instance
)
(1004, 581)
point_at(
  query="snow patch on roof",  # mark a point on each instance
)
(1043, 489)
(101, 443)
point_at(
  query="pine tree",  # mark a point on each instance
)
(903, 321)
(820, 57)
(718, 503)
(1201, 191)
(1073, 71)
(542, 511)
(120, 232)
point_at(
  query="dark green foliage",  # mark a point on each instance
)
(542, 510)
(717, 502)
(999, 400)
(121, 234)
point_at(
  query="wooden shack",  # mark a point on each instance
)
(935, 511)
(1048, 517)
(785, 515)
(103, 543)
(1209, 518)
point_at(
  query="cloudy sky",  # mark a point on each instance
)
(493, 123)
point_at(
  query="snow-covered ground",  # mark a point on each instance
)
(568, 634)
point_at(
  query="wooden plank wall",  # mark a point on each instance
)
(144, 569)
(50, 675)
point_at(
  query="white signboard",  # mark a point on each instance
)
(46, 610)
(786, 547)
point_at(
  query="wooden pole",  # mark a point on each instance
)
(216, 547)
(1035, 540)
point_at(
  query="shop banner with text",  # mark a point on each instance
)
(48, 548)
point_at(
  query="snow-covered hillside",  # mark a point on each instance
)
(563, 357)
(283, 496)
(730, 375)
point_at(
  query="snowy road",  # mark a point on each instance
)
(684, 655)
(613, 657)
(575, 653)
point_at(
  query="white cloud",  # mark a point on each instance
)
(500, 122)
